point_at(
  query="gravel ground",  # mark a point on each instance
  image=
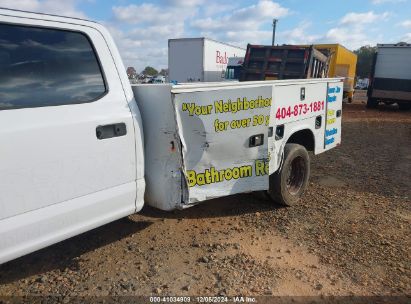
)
(349, 236)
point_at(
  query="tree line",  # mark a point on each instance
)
(148, 71)
(365, 55)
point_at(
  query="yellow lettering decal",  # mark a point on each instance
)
(211, 176)
(191, 178)
(261, 167)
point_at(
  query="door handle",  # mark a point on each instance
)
(109, 131)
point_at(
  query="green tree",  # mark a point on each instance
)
(364, 61)
(131, 73)
(163, 72)
(150, 71)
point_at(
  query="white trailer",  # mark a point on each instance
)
(199, 59)
(391, 76)
(81, 147)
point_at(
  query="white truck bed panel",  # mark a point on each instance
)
(161, 146)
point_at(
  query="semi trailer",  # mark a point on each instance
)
(390, 80)
(199, 59)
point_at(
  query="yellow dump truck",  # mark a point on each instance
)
(343, 63)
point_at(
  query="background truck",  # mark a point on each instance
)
(199, 59)
(342, 63)
(81, 147)
(390, 79)
(266, 62)
(234, 68)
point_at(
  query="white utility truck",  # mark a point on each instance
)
(81, 147)
(199, 59)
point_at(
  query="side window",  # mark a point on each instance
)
(47, 67)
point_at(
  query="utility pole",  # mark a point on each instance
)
(274, 26)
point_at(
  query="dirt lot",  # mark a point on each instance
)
(349, 236)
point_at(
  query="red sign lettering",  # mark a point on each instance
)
(221, 59)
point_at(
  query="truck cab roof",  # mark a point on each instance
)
(48, 17)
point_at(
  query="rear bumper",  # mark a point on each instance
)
(391, 95)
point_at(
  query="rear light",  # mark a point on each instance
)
(305, 55)
(247, 55)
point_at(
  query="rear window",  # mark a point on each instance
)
(47, 67)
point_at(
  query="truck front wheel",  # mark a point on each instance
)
(288, 184)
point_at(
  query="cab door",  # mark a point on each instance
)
(67, 156)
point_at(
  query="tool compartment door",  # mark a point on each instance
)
(332, 133)
(223, 132)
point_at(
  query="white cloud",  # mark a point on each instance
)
(242, 25)
(142, 31)
(363, 18)
(64, 8)
(354, 30)
(143, 13)
(299, 35)
(213, 9)
(386, 1)
(140, 46)
(407, 38)
(351, 37)
(250, 17)
(147, 27)
(186, 3)
(406, 23)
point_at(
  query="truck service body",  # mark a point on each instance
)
(81, 147)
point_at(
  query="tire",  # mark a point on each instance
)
(372, 103)
(288, 185)
(404, 106)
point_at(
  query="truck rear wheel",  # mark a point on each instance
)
(372, 103)
(288, 184)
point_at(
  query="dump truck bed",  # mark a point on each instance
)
(264, 62)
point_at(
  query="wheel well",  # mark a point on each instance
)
(304, 138)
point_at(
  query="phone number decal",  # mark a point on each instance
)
(300, 109)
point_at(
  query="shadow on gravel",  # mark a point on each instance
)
(233, 205)
(381, 108)
(66, 253)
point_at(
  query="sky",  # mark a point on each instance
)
(142, 28)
